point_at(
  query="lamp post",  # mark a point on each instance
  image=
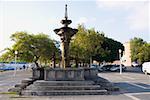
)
(16, 52)
(120, 61)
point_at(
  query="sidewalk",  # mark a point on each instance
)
(9, 79)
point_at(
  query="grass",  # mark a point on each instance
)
(19, 97)
(14, 93)
(1, 70)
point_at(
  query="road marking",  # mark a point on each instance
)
(139, 86)
(130, 95)
(139, 93)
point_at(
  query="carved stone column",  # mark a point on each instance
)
(65, 34)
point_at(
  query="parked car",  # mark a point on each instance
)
(135, 64)
(96, 66)
(106, 67)
(146, 67)
(1, 64)
(117, 68)
(5, 68)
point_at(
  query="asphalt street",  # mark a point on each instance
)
(134, 85)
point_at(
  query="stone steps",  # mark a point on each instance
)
(48, 88)
(86, 87)
(62, 83)
(64, 92)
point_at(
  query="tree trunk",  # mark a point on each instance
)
(83, 64)
(76, 61)
(54, 60)
(91, 62)
(36, 63)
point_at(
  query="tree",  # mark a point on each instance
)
(111, 48)
(33, 48)
(139, 50)
(89, 44)
(77, 49)
(136, 44)
(144, 53)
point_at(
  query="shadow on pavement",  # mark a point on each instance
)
(131, 88)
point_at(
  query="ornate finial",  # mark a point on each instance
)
(65, 21)
(66, 15)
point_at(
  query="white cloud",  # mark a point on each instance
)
(82, 20)
(139, 19)
(111, 4)
(85, 20)
(137, 16)
(110, 21)
(124, 4)
(54, 21)
(93, 19)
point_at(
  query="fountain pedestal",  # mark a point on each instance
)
(67, 74)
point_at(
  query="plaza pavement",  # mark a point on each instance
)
(134, 85)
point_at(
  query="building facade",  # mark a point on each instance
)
(126, 59)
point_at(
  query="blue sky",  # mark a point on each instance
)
(120, 20)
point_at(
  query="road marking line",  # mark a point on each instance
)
(130, 95)
(139, 86)
(138, 93)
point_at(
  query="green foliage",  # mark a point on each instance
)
(8, 56)
(111, 48)
(31, 48)
(140, 50)
(144, 53)
(88, 44)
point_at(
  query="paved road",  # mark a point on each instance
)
(9, 78)
(134, 85)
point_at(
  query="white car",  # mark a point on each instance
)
(146, 67)
(135, 64)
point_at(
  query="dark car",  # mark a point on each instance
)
(106, 67)
(117, 68)
(112, 67)
(97, 67)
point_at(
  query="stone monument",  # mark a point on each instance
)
(64, 80)
(65, 34)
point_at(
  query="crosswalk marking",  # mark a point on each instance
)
(139, 86)
(130, 95)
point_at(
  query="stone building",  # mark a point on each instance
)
(126, 59)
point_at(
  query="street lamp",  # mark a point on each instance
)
(16, 52)
(120, 60)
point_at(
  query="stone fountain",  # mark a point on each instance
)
(65, 72)
(65, 34)
(65, 80)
